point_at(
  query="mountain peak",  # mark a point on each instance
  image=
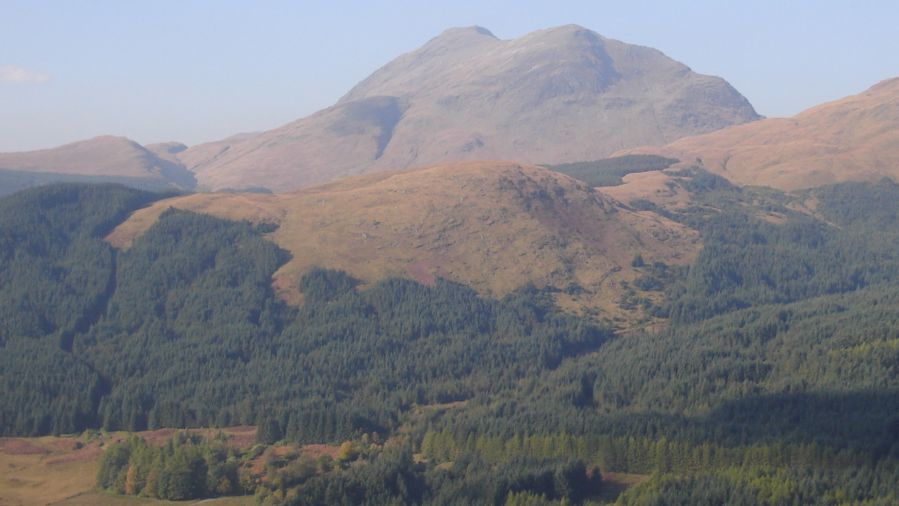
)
(556, 95)
(478, 34)
(459, 38)
(107, 140)
(566, 30)
(886, 84)
(461, 31)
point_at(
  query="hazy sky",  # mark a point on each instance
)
(196, 71)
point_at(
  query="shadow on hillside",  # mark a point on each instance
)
(867, 421)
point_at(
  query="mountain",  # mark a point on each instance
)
(852, 139)
(104, 157)
(494, 226)
(557, 95)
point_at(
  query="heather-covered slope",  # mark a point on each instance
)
(852, 139)
(494, 226)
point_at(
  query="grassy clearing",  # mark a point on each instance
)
(614, 484)
(63, 470)
(104, 499)
(45, 470)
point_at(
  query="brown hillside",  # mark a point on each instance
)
(492, 225)
(855, 138)
(557, 95)
(658, 187)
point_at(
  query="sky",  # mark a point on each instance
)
(197, 71)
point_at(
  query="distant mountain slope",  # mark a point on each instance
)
(167, 150)
(852, 139)
(12, 181)
(558, 95)
(494, 226)
(106, 157)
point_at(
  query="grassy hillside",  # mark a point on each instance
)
(490, 225)
(850, 139)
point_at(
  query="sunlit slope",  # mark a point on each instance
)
(852, 139)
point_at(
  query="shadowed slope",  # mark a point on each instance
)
(340, 140)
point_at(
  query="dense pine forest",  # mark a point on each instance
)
(775, 380)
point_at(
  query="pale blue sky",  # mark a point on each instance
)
(196, 71)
